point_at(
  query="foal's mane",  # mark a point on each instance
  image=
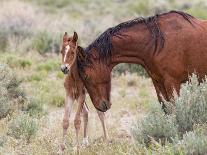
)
(103, 43)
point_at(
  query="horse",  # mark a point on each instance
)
(169, 46)
(75, 90)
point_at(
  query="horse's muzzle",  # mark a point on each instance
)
(64, 69)
(103, 106)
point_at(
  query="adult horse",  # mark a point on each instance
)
(169, 46)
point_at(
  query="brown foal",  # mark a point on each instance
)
(75, 90)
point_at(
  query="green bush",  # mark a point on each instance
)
(23, 127)
(3, 42)
(34, 108)
(57, 100)
(5, 104)
(191, 105)
(54, 3)
(190, 110)
(156, 125)
(38, 76)
(43, 42)
(15, 62)
(193, 142)
(50, 65)
(14, 28)
(129, 68)
(10, 89)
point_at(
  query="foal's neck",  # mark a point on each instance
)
(74, 72)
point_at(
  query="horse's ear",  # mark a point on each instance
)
(81, 53)
(65, 37)
(75, 37)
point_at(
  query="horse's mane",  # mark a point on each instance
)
(103, 43)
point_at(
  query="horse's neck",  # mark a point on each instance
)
(132, 47)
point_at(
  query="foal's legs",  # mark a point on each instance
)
(101, 116)
(77, 120)
(85, 121)
(68, 107)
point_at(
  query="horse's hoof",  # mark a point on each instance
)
(85, 142)
(62, 146)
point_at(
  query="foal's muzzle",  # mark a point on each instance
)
(64, 69)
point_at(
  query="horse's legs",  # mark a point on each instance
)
(68, 107)
(85, 121)
(101, 116)
(77, 120)
(161, 93)
(171, 85)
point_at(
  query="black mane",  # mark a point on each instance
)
(103, 43)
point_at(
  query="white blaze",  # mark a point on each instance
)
(67, 48)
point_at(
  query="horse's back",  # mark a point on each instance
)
(185, 49)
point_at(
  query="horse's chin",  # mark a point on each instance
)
(101, 110)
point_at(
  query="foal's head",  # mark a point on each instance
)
(69, 52)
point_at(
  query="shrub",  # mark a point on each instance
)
(57, 100)
(39, 76)
(43, 42)
(191, 105)
(194, 142)
(15, 62)
(156, 125)
(34, 108)
(50, 65)
(5, 104)
(3, 41)
(3, 139)
(16, 23)
(9, 90)
(130, 68)
(23, 126)
(190, 110)
(54, 4)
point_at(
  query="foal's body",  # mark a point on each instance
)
(75, 90)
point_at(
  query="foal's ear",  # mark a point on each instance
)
(75, 37)
(65, 37)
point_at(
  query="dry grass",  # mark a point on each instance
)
(22, 22)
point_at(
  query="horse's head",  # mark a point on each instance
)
(69, 52)
(98, 85)
(97, 80)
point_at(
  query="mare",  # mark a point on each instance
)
(170, 47)
(75, 90)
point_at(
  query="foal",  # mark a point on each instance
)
(75, 90)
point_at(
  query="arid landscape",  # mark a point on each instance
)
(32, 92)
